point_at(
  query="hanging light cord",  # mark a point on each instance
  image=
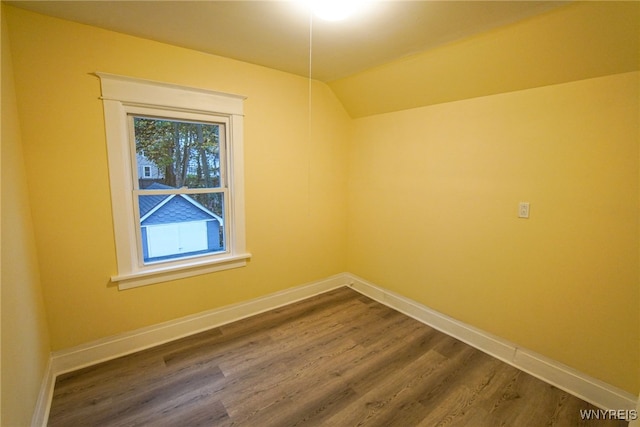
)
(309, 143)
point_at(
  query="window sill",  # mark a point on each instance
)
(164, 274)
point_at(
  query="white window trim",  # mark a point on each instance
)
(121, 94)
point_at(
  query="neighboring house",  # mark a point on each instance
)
(146, 168)
(148, 172)
(176, 225)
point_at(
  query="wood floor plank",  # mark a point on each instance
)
(145, 405)
(336, 359)
(391, 391)
(293, 346)
(308, 373)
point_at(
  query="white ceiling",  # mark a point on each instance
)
(275, 34)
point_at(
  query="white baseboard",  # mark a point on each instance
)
(129, 342)
(589, 389)
(43, 404)
(592, 390)
(140, 339)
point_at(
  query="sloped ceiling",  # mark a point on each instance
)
(394, 54)
(579, 41)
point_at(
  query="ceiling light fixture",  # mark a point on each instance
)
(335, 10)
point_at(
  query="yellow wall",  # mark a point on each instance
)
(433, 198)
(293, 182)
(25, 341)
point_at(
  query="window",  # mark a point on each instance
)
(176, 172)
(181, 209)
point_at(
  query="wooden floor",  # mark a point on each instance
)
(337, 359)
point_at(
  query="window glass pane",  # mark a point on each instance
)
(175, 226)
(177, 154)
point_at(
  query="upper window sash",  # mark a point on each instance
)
(223, 122)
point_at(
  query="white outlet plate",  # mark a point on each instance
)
(523, 210)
